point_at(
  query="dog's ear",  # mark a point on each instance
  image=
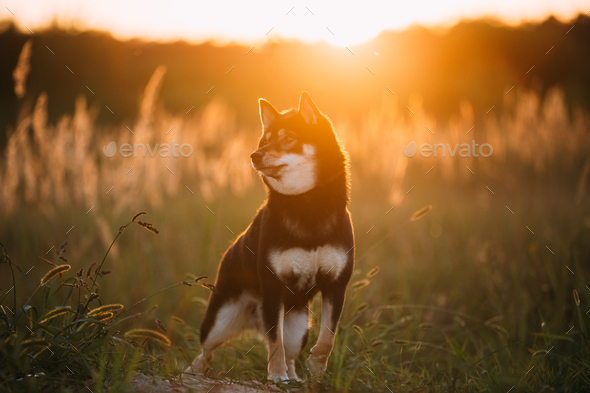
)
(267, 112)
(308, 110)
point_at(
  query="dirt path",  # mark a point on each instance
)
(142, 383)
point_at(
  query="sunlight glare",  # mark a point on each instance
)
(340, 23)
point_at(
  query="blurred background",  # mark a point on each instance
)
(508, 236)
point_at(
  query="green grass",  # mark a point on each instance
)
(76, 342)
(465, 298)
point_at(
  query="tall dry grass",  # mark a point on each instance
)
(52, 166)
(21, 72)
(530, 133)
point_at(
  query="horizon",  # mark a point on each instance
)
(337, 26)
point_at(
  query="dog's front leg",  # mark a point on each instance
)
(273, 317)
(332, 303)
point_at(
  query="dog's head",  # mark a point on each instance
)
(292, 146)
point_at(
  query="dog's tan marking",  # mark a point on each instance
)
(277, 365)
(281, 132)
(299, 174)
(296, 325)
(305, 264)
(267, 136)
(320, 353)
(231, 319)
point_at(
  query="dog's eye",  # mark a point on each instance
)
(288, 139)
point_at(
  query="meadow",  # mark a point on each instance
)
(471, 273)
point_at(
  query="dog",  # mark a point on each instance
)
(299, 243)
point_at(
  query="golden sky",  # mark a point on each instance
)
(339, 22)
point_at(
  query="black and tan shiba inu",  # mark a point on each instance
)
(299, 243)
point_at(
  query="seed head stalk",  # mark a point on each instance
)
(97, 271)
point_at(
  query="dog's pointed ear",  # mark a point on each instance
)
(308, 110)
(267, 112)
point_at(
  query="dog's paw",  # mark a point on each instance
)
(276, 378)
(197, 367)
(295, 378)
(189, 370)
(316, 365)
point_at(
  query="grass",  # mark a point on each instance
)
(67, 336)
(437, 314)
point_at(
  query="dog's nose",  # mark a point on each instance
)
(256, 157)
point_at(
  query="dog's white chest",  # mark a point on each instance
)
(306, 264)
